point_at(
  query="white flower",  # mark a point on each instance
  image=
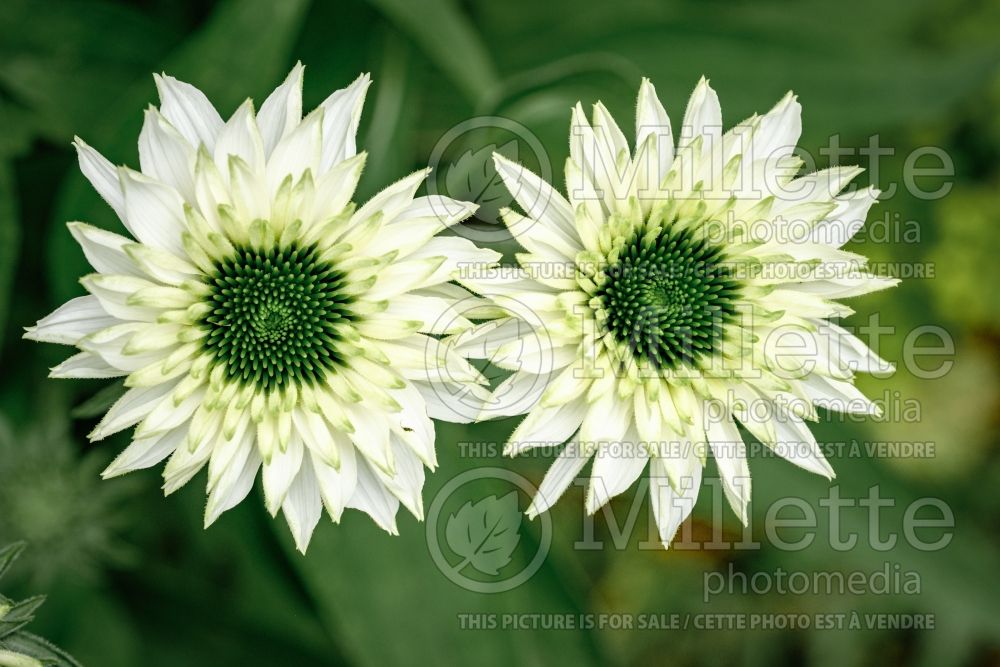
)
(676, 291)
(260, 319)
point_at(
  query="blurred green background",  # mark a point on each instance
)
(131, 577)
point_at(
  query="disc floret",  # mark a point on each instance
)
(276, 316)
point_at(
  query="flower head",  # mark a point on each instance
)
(678, 289)
(48, 492)
(262, 320)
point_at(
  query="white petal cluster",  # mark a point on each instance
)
(359, 436)
(779, 233)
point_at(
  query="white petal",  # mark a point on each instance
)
(703, 117)
(234, 485)
(371, 437)
(85, 365)
(297, 151)
(516, 395)
(154, 212)
(282, 110)
(337, 486)
(104, 249)
(838, 395)
(241, 138)
(302, 506)
(334, 190)
(371, 497)
(730, 455)
(415, 421)
(779, 130)
(72, 321)
(392, 201)
(547, 426)
(670, 507)
(652, 119)
(145, 453)
(130, 409)
(102, 175)
(616, 467)
(539, 200)
(188, 110)
(559, 476)
(846, 220)
(166, 155)
(850, 350)
(796, 443)
(542, 239)
(408, 481)
(342, 112)
(607, 419)
(280, 472)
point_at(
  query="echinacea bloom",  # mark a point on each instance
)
(260, 319)
(674, 292)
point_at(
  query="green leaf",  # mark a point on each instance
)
(9, 554)
(450, 41)
(19, 615)
(485, 533)
(45, 652)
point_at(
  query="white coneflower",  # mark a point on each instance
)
(676, 291)
(260, 318)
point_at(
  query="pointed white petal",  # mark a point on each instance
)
(652, 119)
(282, 110)
(703, 117)
(616, 467)
(280, 472)
(559, 476)
(671, 507)
(342, 112)
(145, 453)
(102, 175)
(72, 321)
(302, 506)
(729, 452)
(166, 155)
(371, 497)
(104, 249)
(154, 212)
(189, 111)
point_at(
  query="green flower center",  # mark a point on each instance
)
(668, 299)
(275, 316)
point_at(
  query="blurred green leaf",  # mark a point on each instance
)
(241, 51)
(100, 402)
(53, 61)
(365, 582)
(10, 233)
(9, 554)
(856, 65)
(388, 124)
(449, 39)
